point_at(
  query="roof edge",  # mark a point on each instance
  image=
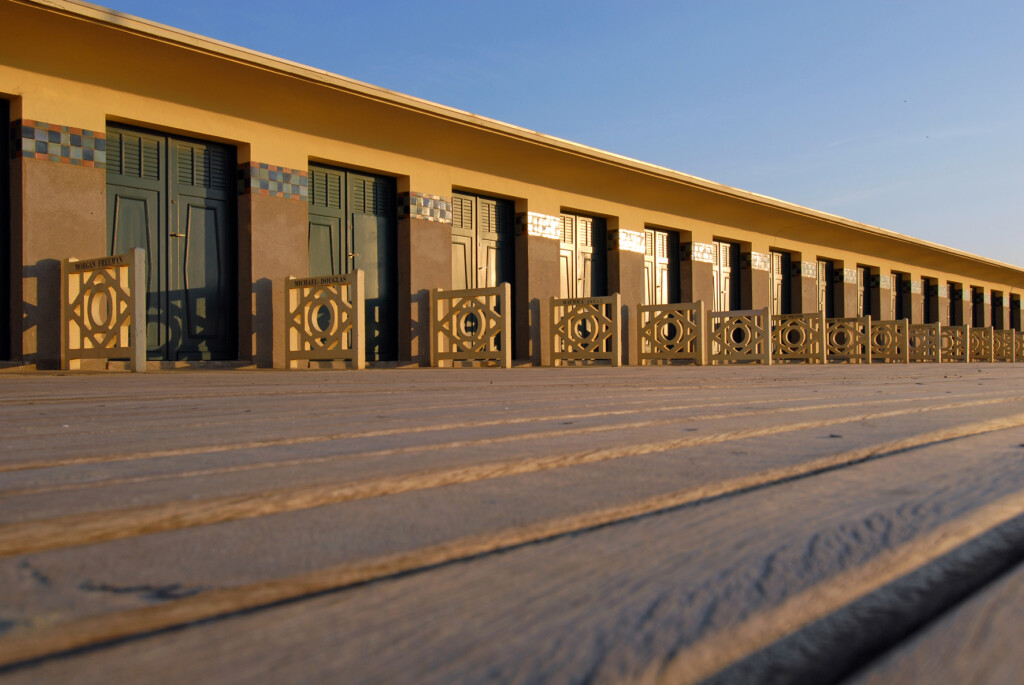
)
(87, 11)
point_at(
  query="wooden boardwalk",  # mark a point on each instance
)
(737, 524)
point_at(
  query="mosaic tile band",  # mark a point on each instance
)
(424, 207)
(916, 287)
(849, 276)
(62, 144)
(627, 241)
(885, 282)
(702, 252)
(809, 270)
(539, 225)
(273, 181)
(759, 261)
(942, 291)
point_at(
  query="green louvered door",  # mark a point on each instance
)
(352, 225)
(201, 251)
(482, 241)
(173, 198)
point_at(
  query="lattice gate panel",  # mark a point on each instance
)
(669, 333)
(799, 337)
(103, 309)
(586, 330)
(325, 320)
(849, 339)
(890, 341)
(925, 341)
(1018, 348)
(739, 336)
(981, 344)
(1003, 346)
(954, 343)
(471, 327)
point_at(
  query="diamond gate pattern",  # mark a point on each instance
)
(1003, 344)
(471, 327)
(669, 333)
(890, 341)
(325, 320)
(954, 343)
(103, 309)
(799, 338)
(925, 342)
(981, 344)
(849, 339)
(739, 336)
(586, 330)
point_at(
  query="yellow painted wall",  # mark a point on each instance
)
(87, 73)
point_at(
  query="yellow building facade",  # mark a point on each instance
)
(236, 170)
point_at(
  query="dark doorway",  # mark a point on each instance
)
(583, 256)
(483, 230)
(661, 267)
(6, 272)
(175, 198)
(352, 225)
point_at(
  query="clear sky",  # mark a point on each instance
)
(904, 114)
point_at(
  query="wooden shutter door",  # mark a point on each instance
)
(567, 257)
(463, 242)
(201, 251)
(326, 222)
(137, 217)
(372, 246)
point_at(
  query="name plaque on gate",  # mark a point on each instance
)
(321, 280)
(100, 263)
(583, 300)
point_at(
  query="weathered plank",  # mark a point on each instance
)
(266, 497)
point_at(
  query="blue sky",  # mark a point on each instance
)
(908, 115)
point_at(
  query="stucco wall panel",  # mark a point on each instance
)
(61, 213)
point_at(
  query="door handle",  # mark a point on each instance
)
(178, 235)
(353, 254)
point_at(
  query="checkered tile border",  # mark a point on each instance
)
(758, 261)
(628, 241)
(885, 282)
(273, 181)
(425, 207)
(849, 276)
(702, 252)
(942, 291)
(539, 225)
(62, 144)
(808, 269)
(916, 287)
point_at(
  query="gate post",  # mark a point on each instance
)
(137, 361)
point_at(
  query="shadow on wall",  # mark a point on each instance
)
(40, 321)
(263, 326)
(419, 327)
(536, 322)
